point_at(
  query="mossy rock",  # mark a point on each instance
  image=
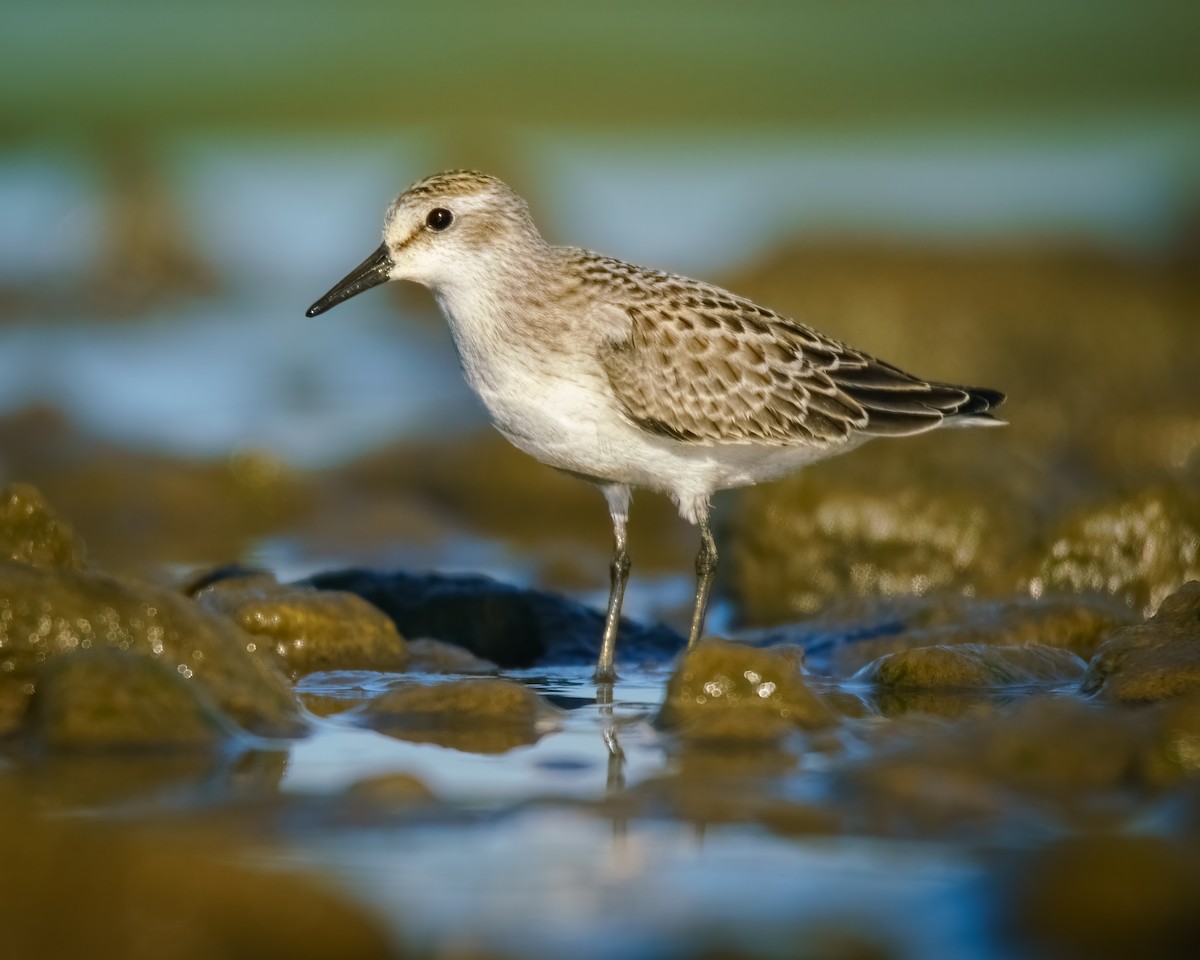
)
(45, 614)
(475, 716)
(1140, 548)
(30, 532)
(309, 630)
(1153, 660)
(110, 699)
(724, 690)
(973, 666)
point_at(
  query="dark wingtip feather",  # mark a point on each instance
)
(981, 401)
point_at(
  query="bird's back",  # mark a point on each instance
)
(700, 365)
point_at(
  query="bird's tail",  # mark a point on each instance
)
(977, 409)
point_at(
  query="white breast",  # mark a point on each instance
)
(555, 403)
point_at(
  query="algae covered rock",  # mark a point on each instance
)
(946, 517)
(31, 533)
(46, 614)
(724, 690)
(973, 665)
(795, 550)
(853, 633)
(113, 699)
(1152, 660)
(309, 629)
(1140, 548)
(475, 716)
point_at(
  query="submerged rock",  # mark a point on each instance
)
(113, 699)
(389, 791)
(31, 533)
(723, 690)
(46, 614)
(309, 629)
(475, 716)
(1152, 660)
(973, 665)
(498, 622)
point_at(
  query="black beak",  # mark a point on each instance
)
(370, 273)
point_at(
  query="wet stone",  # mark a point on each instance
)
(972, 665)
(309, 629)
(495, 621)
(426, 655)
(723, 690)
(1153, 660)
(112, 699)
(851, 635)
(31, 533)
(475, 716)
(45, 614)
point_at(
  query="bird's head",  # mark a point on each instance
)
(458, 225)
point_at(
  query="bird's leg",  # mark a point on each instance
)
(706, 567)
(618, 505)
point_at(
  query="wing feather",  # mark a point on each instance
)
(702, 366)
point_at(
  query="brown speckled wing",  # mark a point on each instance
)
(702, 366)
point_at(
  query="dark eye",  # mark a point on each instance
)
(439, 218)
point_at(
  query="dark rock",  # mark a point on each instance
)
(51, 613)
(31, 533)
(309, 629)
(501, 623)
(1152, 660)
(723, 690)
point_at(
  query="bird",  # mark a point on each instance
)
(630, 377)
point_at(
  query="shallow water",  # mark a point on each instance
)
(522, 857)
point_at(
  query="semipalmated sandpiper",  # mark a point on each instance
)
(630, 377)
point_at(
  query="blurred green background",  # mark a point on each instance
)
(453, 68)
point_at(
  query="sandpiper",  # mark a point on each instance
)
(630, 377)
